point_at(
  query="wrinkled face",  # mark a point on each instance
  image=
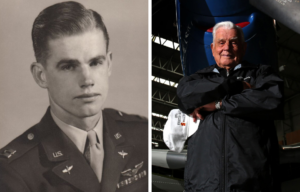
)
(228, 48)
(77, 73)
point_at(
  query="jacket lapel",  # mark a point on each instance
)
(81, 177)
(117, 153)
(70, 164)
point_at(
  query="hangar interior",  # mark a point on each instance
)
(167, 71)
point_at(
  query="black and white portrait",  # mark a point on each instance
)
(74, 95)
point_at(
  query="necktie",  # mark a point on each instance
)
(94, 154)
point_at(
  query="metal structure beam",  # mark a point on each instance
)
(164, 94)
(157, 124)
(288, 54)
(165, 42)
(157, 137)
(166, 68)
(165, 52)
(291, 84)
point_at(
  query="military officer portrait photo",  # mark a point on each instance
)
(74, 96)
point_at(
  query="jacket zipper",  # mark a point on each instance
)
(223, 164)
(224, 168)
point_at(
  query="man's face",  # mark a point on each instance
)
(228, 49)
(77, 72)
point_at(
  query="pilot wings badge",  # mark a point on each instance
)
(132, 172)
(67, 169)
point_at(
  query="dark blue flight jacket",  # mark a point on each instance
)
(235, 149)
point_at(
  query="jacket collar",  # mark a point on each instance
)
(215, 68)
(117, 152)
(69, 163)
(66, 157)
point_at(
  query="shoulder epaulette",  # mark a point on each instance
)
(121, 116)
(20, 145)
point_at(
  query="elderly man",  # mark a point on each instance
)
(235, 148)
(76, 146)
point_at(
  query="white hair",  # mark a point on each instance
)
(228, 25)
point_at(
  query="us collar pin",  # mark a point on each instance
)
(57, 154)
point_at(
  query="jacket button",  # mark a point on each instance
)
(30, 136)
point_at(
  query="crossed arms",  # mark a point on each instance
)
(260, 100)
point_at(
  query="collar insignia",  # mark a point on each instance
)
(57, 154)
(123, 154)
(118, 135)
(67, 169)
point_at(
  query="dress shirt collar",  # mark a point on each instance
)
(216, 70)
(78, 136)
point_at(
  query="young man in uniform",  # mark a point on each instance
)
(76, 146)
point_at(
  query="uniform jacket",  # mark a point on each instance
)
(235, 149)
(45, 159)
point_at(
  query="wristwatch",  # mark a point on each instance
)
(217, 105)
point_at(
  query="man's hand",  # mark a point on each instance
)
(211, 106)
(197, 112)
